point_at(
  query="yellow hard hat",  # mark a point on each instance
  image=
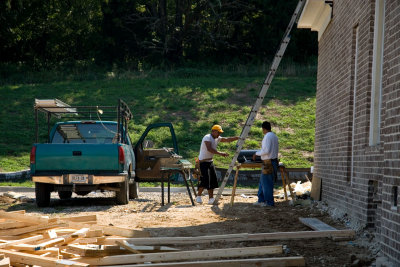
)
(217, 127)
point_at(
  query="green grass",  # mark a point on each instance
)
(24, 183)
(192, 99)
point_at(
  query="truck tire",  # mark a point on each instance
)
(65, 194)
(133, 190)
(122, 196)
(42, 192)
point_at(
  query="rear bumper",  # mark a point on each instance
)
(68, 179)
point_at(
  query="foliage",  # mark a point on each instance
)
(141, 34)
(192, 99)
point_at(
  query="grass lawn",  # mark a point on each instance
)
(192, 99)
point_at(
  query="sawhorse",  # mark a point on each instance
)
(286, 181)
(256, 165)
(167, 173)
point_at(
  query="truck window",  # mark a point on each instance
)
(77, 133)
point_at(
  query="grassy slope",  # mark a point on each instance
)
(192, 100)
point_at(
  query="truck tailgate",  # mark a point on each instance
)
(77, 157)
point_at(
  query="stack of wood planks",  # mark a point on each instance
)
(79, 241)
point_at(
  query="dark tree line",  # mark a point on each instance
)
(46, 32)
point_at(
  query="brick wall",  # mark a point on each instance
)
(357, 178)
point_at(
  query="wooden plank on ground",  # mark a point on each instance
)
(29, 259)
(5, 262)
(94, 233)
(185, 255)
(96, 250)
(64, 239)
(111, 230)
(316, 188)
(316, 224)
(26, 218)
(144, 249)
(28, 229)
(12, 224)
(21, 241)
(84, 218)
(258, 262)
(233, 237)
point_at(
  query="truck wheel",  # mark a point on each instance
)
(42, 192)
(133, 190)
(65, 194)
(122, 196)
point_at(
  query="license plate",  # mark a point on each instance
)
(79, 178)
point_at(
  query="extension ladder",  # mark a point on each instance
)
(250, 120)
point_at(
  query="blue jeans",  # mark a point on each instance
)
(266, 186)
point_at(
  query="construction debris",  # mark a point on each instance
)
(80, 241)
(301, 190)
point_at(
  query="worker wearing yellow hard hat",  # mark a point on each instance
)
(208, 148)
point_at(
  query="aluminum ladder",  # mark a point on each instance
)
(264, 89)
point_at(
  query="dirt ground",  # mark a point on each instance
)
(180, 218)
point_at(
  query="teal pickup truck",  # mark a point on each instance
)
(85, 155)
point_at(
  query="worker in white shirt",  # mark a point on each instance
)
(208, 148)
(269, 170)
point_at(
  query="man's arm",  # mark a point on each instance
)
(229, 139)
(212, 150)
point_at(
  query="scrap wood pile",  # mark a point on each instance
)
(80, 241)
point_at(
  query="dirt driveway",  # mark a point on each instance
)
(180, 218)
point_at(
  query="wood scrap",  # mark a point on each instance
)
(144, 249)
(28, 229)
(233, 237)
(72, 241)
(21, 241)
(185, 255)
(96, 250)
(29, 259)
(316, 224)
(5, 262)
(112, 230)
(12, 224)
(26, 218)
(83, 218)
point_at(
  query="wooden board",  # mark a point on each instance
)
(5, 262)
(233, 237)
(84, 218)
(316, 188)
(316, 224)
(29, 259)
(28, 229)
(111, 230)
(21, 241)
(185, 255)
(26, 218)
(258, 262)
(144, 249)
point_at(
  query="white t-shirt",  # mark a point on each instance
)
(269, 147)
(204, 153)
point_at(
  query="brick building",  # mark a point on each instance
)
(357, 130)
